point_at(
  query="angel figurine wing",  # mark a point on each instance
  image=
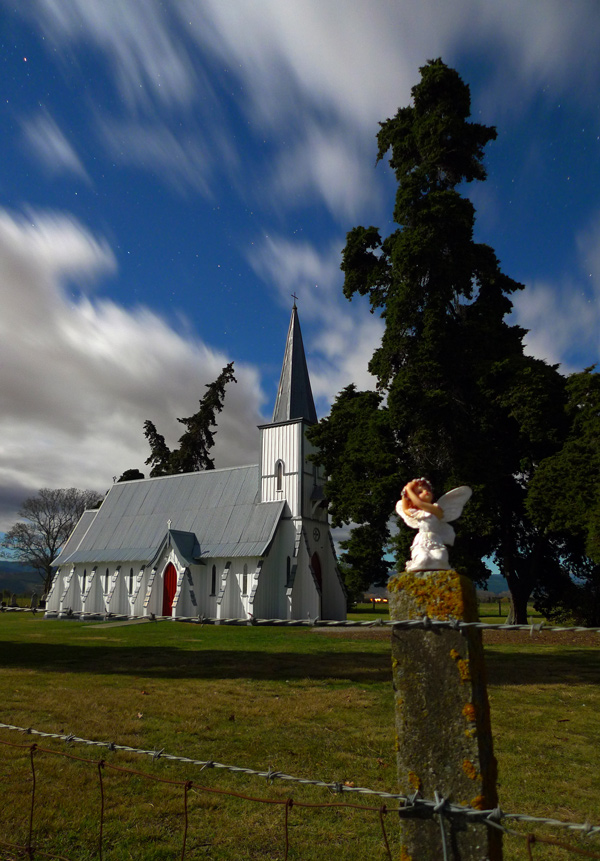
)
(453, 502)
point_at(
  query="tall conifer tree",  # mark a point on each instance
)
(199, 437)
(456, 398)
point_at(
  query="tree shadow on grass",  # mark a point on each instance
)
(526, 667)
(170, 662)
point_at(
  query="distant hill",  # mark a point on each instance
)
(496, 583)
(18, 578)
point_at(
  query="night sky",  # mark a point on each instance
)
(171, 172)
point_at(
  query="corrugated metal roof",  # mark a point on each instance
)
(219, 507)
(75, 538)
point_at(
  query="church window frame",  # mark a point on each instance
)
(245, 579)
(131, 581)
(279, 470)
(83, 579)
(288, 572)
(106, 580)
(213, 581)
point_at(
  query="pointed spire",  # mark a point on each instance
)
(294, 396)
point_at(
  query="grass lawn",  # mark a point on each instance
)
(310, 703)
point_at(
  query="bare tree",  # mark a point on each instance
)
(49, 519)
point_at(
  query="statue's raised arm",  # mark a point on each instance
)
(418, 510)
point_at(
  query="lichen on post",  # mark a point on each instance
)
(443, 730)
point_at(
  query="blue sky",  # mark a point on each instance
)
(171, 172)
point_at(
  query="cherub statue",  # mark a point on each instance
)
(419, 511)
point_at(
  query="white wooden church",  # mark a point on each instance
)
(240, 543)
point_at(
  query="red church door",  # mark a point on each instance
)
(170, 585)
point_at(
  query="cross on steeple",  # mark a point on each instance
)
(294, 297)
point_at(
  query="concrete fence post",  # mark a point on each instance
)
(444, 738)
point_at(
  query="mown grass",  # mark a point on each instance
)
(304, 702)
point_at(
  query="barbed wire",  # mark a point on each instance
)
(440, 809)
(29, 849)
(423, 622)
(412, 805)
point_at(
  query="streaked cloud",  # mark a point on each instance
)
(146, 60)
(331, 164)
(182, 161)
(49, 145)
(343, 335)
(564, 316)
(324, 73)
(83, 374)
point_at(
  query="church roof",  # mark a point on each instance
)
(294, 396)
(218, 508)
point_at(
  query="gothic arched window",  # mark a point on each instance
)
(279, 475)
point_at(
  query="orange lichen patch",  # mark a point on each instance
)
(469, 712)
(478, 802)
(464, 670)
(414, 780)
(404, 856)
(438, 594)
(471, 732)
(469, 769)
(462, 664)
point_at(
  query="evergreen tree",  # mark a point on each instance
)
(132, 474)
(456, 400)
(160, 453)
(564, 500)
(195, 444)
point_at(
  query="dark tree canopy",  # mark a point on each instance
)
(564, 500)
(198, 439)
(49, 519)
(131, 475)
(457, 400)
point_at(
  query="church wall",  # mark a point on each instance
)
(270, 601)
(281, 443)
(92, 597)
(53, 598)
(333, 601)
(306, 601)
(233, 605)
(140, 584)
(119, 599)
(70, 598)
(206, 598)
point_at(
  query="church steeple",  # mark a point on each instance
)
(294, 395)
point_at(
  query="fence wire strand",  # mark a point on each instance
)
(440, 809)
(424, 622)
(187, 785)
(412, 806)
(407, 624)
